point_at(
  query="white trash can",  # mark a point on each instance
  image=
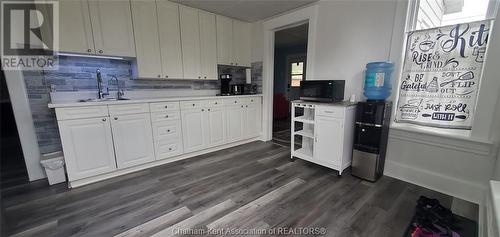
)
(54, 167)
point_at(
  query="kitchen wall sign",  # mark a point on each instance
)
(441, 75)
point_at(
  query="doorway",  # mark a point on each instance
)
(290, 56)
(12, 165)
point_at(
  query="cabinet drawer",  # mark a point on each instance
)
(167, 148)
(253, 100)
(330, 111)
(165, 116)
(234, 101)
(163, 106)
(81, 112)
(167, 130)
(193, 104)
(215, 103)
(128, 109)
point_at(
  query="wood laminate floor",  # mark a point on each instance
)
(252, 186)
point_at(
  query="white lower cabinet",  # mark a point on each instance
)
(235, 122)
(133, 139)
(193, 129)
(329, 140)
(88, 147)
(100, 139)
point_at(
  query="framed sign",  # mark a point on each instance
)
(441, 74)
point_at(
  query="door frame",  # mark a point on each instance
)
(302, 16)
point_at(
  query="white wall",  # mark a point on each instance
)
(349, 35)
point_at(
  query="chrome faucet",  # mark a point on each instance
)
(119, 93)
(100, 93)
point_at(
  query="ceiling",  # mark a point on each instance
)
(246, 10)
(291, 36)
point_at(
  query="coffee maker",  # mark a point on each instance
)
(225, 88)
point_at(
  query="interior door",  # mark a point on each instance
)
(208, 43)
(170, 39)
(215, 124)
(112, 27)
(224, 40)
(235, 122)
(328, 142)
(190, 36)
(133, 139)
(146, 37)
(193, 129)
(241, 43)
(253, 116)
(88, 147)
(75, 31)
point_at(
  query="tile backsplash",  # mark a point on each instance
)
(78, 74)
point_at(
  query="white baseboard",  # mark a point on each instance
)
(462, 189)
(97, 178)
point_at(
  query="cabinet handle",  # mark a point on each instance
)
(242, 106)
(236, 64)
(235, 101)
(193, 104)
(199, 77)
(166, 116)
(166, 106)
(159, 75)
(116, 118)
(251, 100)
(205, 77)
(89, 50)
(100, 51)
(246, 106)
(166, 76)
(202, 110)
(215, 102)
(231, 63)
(168, 130)
(104, 120)
(208, 109)
(170, 148)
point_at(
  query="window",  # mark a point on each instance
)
(436, 13)
(297, 73)
(444, 56)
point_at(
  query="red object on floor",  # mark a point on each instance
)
(280, 106)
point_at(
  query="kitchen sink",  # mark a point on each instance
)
(103, 99)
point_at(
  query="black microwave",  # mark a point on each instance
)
(322, 91)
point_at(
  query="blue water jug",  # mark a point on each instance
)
(378, 80)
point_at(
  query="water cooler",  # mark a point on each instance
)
(370, 139)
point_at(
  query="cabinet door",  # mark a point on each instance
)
(75, 31)
(193, 129)
(215, 125)
(241, 43)
(328, 145)
(170, 39)
(190, 36)
(112, 27)
(147, 45)
(224, 40)
(208, 41)
(235, 120)
(253, 123)
(88, 147)
(133, 139)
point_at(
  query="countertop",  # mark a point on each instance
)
(64, 104)
(344, 103)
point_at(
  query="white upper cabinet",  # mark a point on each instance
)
(170, 39)
(224, 40)
(208, 45)
(190, 40)
(233, 42)
(75, 31)
(133, 139)
(241, 43)
(102, 27)
(112, 27)
(147, 44)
